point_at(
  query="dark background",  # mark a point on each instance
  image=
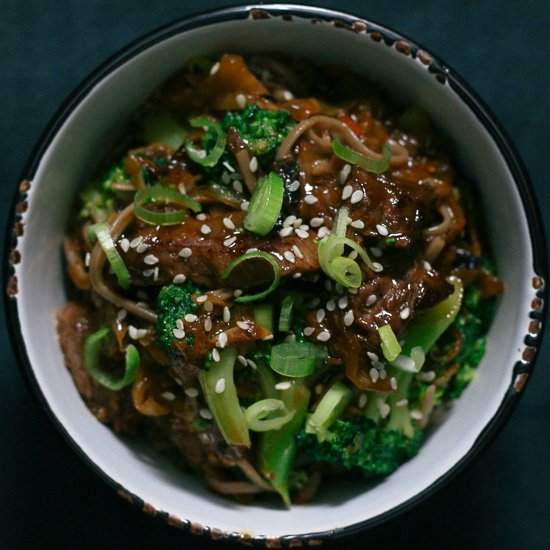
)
(48, 497)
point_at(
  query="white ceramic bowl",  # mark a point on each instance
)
(96, 114)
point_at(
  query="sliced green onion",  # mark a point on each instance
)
(340, 224)
(353, 157)
(200, 157)
(286, 313)
(265, 205)
(157, 194)
(263, 316)
(251, 256)
(390, 346)
(92, 355)
(329, 409)
(225, 406)
(103, 234)
(296, 359)
(267, 414)
(165, 130)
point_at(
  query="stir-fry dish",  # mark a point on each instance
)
(277, 277)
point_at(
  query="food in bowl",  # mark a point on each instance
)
(277, 277)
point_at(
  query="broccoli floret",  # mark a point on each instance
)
(360, 443)
(173, 302)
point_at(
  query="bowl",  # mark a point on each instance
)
(96, 113)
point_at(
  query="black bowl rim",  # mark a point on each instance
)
(443, 73)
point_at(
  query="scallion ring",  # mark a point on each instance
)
(296, 359)
(267, 414)
(377, 166)
(157, 194)
(92, 356)
(201, 157)
(257, 254)
(102, 232)
(285, 317)
(265, 205)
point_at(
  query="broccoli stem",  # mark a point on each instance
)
(400, 418)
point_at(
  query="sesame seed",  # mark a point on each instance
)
(230, 241)
(347, 192)
(228, 222)
(226, 314)
(178, 333)
(289, 220)
(190, 317)
(216, 355)
(376, 252)
(320, 315)
(343, 302)
(141, 333)
(362, 400)
(222, 340)
(244, 205)
(148, 272)
(286, 231)
(185, 252)
(296, 275)
(357, 196)
(427, 266)
(125, 245)
(372, 356)
(287, 95)
(205, 229)
(371, 299)
(243, 325)
(358, 224)
(297, 251)
(301, 233)
(404, 313)
(289, 256)
(208, 306)
(382, 372)
(208, 324)
(215, 68)
(344, 173)
(201, 216)
(205, 413)
(331, 305)
(310, 199)
(228, 166)
(179, 324)
(225, 178)
(142, 247)
(349, 318)
(241, 359)
(384, 410)
(308, 331)
(136, 242)
(294, 186)
(393, 383)
(121, 315)
(238, 186)
(150, 259)
(323, 232)
(402, 403)
(132, 332)
(241, 100)
(251, 364)
(427, 376)
(181, 189)
(377, 267)
(179, 279)
(324, 336)
(374, 374)
(201, 299)
(283, 386)
(416, 415)
(316, 222)
(87, 259)
(168, 395)
(191, 392)
(237, 293)
(319, 389)
(253, 164)
(382, 229)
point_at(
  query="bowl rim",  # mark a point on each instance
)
(522, 369)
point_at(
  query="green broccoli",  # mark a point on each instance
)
(173, 302)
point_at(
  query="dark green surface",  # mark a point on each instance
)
(49, 498)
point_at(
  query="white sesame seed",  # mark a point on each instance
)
(374, 374)
(347, 192)
(316, 222)
(238, 186)
(297, 251)
(185, 252)
(87, 259)
(178, 333)
(371, 299)
(142, 247)
(286, 231)
(237, 293)
(179, 279)
(244, 205)
(124, 245)
(241, 359)
(148, 272)
(323, 232)
(216, 355)
(320, 315)
(253, 164)
(324, 336)
(230, 241)
(308, 331)
(358, 224)
(241, 100)
(362, 400)
(121, 315)
(190, 317)
(205, 229)
(404, 313)
(348, 318)
(287, 95)
(201, 217)
(208, 324)
(215, 68)
(251, 364)
(393, 383)
(294, 186)
(427, 376)
(344, 173)
(301, 233)
(191, 392)
(384, 410)
(136, 242)
(343, 302)
(331, 305)
(382, 372)
(228, 166)
(150, 259)
(226, 314)
(372, 356)
(205, 413)
(310, 199)
(132, 332)
(416, 415)
(225, 178)
(357, 196)
(377, 267)
(376, 252)
(402, 403)
(287, 254)
(283, 386)
(168, 395)
(289, 220)
(222, 340)
(228, 222)
(382, 229)
(427, 266)
(179, 324)
(243, 325)
(296, 275)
